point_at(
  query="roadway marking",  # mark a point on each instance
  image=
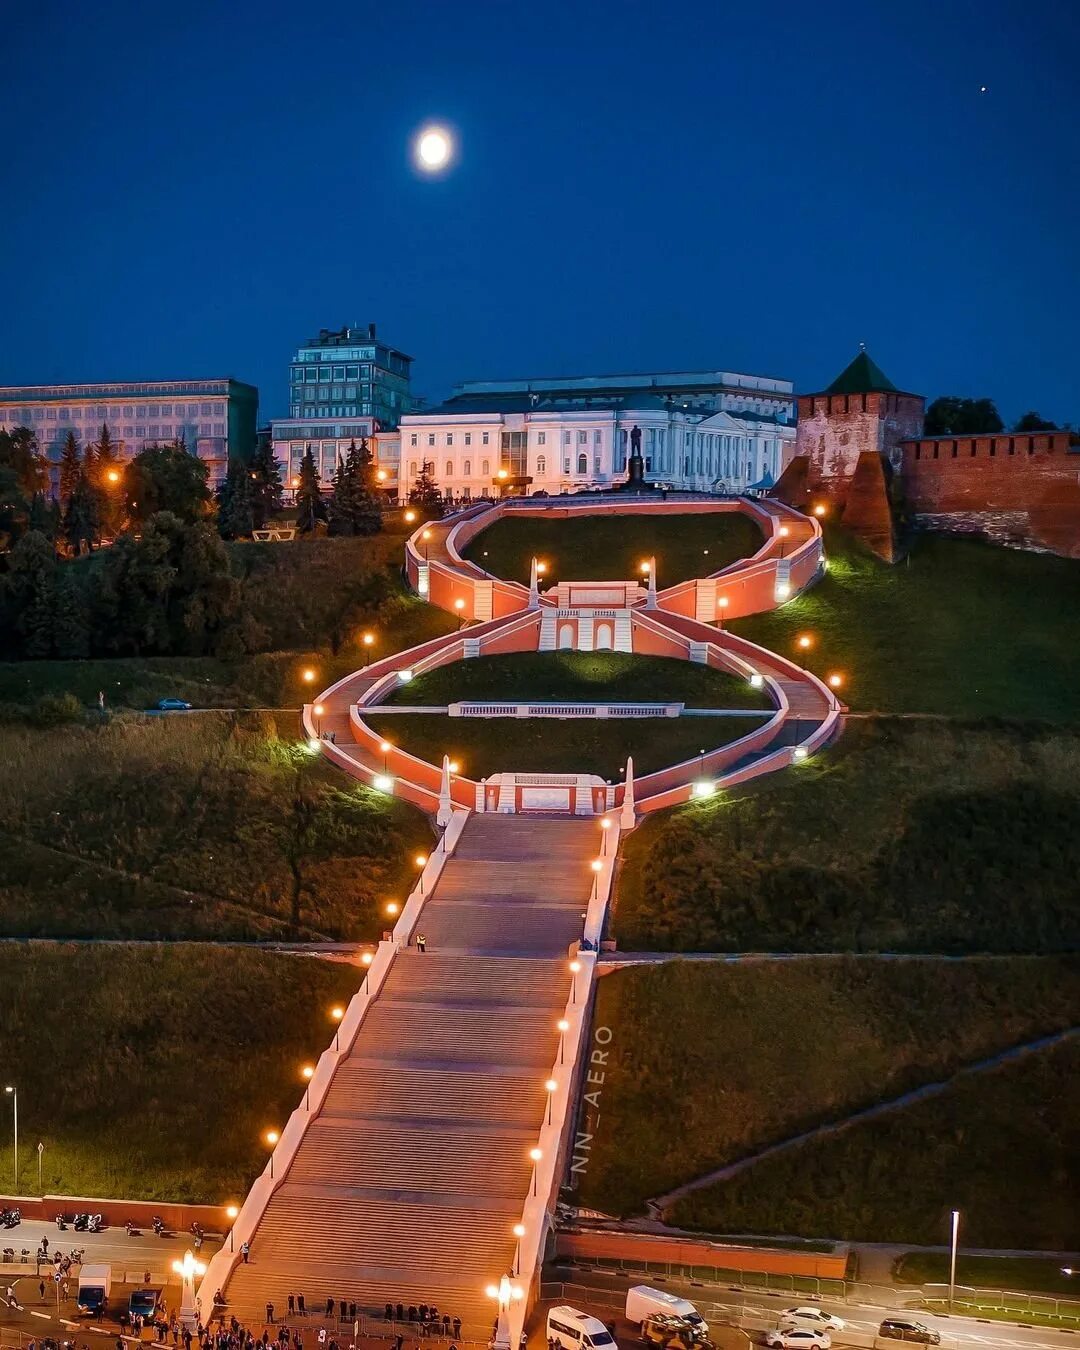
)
(47, 1316)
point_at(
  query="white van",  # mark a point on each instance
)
(642, 1301)
(573, 1330)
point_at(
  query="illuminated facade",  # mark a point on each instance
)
(214, 418)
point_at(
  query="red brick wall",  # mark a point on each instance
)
(835, 429)
(1018, 489)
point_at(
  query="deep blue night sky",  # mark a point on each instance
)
(192, 189)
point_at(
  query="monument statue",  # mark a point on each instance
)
(635, 475)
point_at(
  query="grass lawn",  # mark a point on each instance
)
(960, 628)
(708, 1063)
(193, 827)
(612, 548)
(489, 745)
(906, 836)
(1037, 1274)
(483, 746)
(152, 1072)
(999, 1146)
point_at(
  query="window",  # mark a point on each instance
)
(596, 437)
(466, 494)
(541, 438)
(485, 441)
(583, 462)
(412, 469)
(485, 468)
(596, 464)
(583, 438)
(541, 465)
(449, 468)
(466, 468)
(412, 439)
(431, 438)
(468, 438)
(449, 438)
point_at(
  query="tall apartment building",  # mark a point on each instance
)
(344, 385)
(214, 418)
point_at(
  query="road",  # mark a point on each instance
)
(757, 1311)
(130, 1258)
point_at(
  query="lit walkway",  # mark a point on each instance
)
(408, 1183)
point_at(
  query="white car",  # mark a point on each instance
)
(813, 1318)
(798, 1338)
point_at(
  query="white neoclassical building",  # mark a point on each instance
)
(526, 444)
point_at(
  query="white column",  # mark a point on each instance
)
(627, 820)
(534, 589)
(445, 812)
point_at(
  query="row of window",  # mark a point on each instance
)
(327, 374)
(21, 416)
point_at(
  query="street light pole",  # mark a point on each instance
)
(952, 1257)
(15, 1105)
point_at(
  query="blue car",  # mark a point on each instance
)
(173, 705)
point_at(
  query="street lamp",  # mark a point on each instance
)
(459, 605)
(385, 747)
(392, 907)
(519, 1233)
(410, 516)
(783, 533)
(318, 710)
(835, 681)
(271, 1137)
(421, 861)
(15, 1107)
(307, 1073)
(722, 603)
(805, 641)
(308, 676)
(550, 1087)
(336, 1014)
(367, 641)
(535, 1154)
(231, 1212)
(564, 1027)
(952, 1256)
(605, 825)
(575, 966)
(425, 537)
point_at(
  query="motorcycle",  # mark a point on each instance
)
(81, 1223)
(132, 1231)
(61, 1223)
(94, 1224)
(10, 1218)
(158, 1225)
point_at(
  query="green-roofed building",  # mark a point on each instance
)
(862, 376)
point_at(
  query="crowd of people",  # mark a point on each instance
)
(423, 1320)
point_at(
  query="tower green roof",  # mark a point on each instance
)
(862, 376)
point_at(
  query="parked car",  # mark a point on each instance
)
(813, 1318)
(907, 1329)
(798, 1338)
(173, 705)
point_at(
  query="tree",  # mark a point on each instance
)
(236, 516)
(166, 478)
(71, 629)
(266, 495)
(19, 452)
(44, 516)
(425, 494)
(370, 499)
(81, 523)
(354, 508)
(951, 416)
(309, 502)
(70, 467)
(106, 474)
(28, 594)
(1031, 421)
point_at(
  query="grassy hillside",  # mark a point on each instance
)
(960, 628)
(211, 826)
(151, 1072)
(708, 1063)
(905, 836)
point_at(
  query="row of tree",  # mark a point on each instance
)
(951, 416)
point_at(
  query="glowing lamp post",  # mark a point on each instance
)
(392, 908)
(783, 532)
(367, 641)
(505, 1292)
(605, 825)
(722, 603)
(820, 510)
(459, 608)
(410, 517)
(231, 1212)
(187, 1269)
(271, 1137)
(564, 1027)
(550, 1087)
(385, 747)
(535, 1155)
(519, 1233)
(336, 1014)
(835, 681)
(575, 966)
(421, 861)
(318, 710)
(307, 1073)
(308, 676)
(13, 1093)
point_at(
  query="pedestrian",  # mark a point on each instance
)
(146, 1277)
(329, 1307)
(457, 1328)
(389, 1312)
(401, 1312)
(423, 1312)
(421, 942)
(45, 1245)
(64, 1290)
(352, 1311)
(270, 1313)
(300, 1304)
(245, 1251)
(446, 1324)
(292, 1304)
(41, 1291)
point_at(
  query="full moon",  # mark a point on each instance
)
(433, 147)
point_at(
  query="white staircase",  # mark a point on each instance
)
(585, 631)
(548, 623)
(699, 651)
(705, 608)
(482, 603)
(624, 641)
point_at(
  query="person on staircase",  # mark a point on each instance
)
(421, 942)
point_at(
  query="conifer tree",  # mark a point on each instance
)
(70, 467)
(234, 502)
(71, 629)
(425, 494)
(266, 494)
(369, 499)
(81, 524)
(107, 478)
(309, 503)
